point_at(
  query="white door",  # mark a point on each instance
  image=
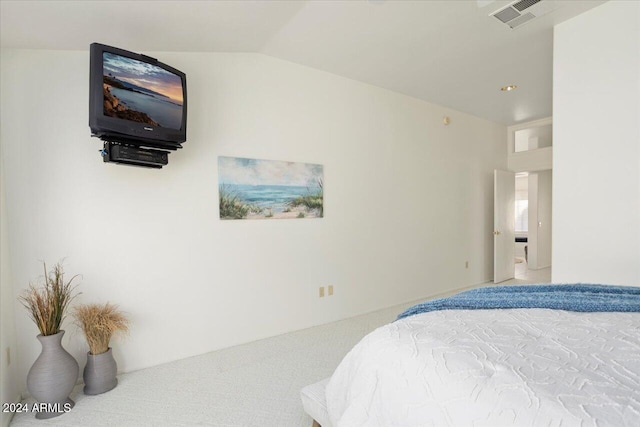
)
(504, 228)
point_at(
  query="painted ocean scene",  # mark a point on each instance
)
(141, 92)
(268, 189)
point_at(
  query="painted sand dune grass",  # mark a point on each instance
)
(265, 189)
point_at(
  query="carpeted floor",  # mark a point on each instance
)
(255, 384)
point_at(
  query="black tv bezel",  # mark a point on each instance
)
(126, 131)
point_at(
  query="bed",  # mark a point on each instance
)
(572, 358)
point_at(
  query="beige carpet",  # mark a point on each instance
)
(255, 384)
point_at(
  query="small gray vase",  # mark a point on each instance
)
(100, 373)
(52, 377)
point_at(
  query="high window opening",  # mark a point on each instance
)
(533, 138)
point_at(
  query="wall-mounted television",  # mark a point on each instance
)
(135, 99)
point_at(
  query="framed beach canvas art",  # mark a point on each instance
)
(269, 189)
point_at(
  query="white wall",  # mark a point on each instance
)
(407, 202)
(534, 160)
(596, 91)
(9, 391)
(545, 218)
(540, 219)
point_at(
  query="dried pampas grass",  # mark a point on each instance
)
(47, 306)
(99, 322)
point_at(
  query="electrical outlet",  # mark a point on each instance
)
(8, 352)
(466, 264)
(330, 289)
(321, 291)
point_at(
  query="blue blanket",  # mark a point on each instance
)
(577, 297)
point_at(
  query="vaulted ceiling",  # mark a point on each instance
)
(451, 53)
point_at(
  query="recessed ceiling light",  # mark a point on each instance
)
(508, 88)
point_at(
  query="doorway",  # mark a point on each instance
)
(530, 150)
(522, 223)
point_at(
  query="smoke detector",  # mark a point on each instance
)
(523, 11)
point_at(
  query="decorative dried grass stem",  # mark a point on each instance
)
(47, 306)
(99, 323)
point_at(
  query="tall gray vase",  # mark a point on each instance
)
(100, 373)
(52, 377)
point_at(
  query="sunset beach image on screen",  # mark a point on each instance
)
(141, 92)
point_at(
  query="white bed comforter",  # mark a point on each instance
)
(516, 367)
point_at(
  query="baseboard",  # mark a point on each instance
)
(422, 299)
(540, 267)
(461, 289)
(444, 294)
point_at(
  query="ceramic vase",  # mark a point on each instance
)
(100, 373)
(52, 377)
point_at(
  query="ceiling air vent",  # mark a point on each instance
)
(521, 20)
(524, 4)
(520, 12)
(506, 15)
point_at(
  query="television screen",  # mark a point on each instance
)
(136, 99)
(141, 92)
